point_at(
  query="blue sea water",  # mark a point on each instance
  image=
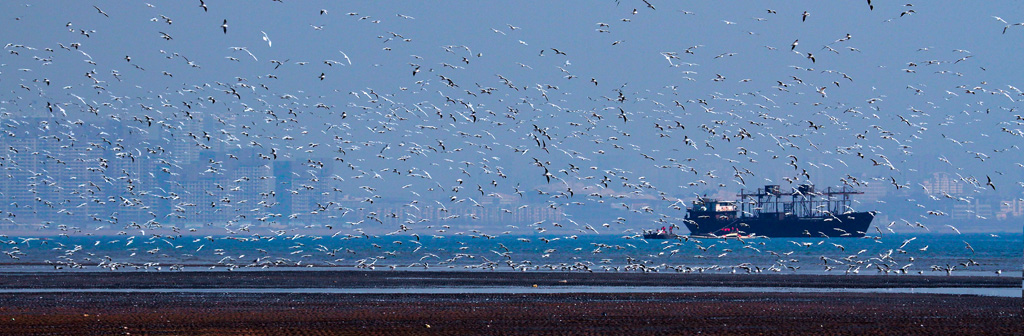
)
(928, 254)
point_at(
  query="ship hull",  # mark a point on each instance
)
(854, 224)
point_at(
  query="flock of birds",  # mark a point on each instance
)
(509, 117)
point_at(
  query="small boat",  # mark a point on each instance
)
(663, 233)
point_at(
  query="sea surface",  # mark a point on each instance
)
(928, 254)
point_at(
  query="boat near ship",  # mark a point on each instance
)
(769, 212)
(662, 233)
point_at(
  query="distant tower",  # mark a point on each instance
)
(283, 189)
(184, 149)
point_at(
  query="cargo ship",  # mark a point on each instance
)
(769, 212)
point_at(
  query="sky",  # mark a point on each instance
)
(668, 101)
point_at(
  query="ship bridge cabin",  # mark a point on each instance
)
(712, 208)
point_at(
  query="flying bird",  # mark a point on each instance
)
(224, 26)
(101, 11)
(267, 38)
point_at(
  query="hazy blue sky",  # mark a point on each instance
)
(912, 85)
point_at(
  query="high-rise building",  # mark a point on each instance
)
(283, 189)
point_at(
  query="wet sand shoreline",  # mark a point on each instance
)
(510, 314)
(634, 314)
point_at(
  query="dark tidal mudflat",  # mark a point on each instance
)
(497, 314)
